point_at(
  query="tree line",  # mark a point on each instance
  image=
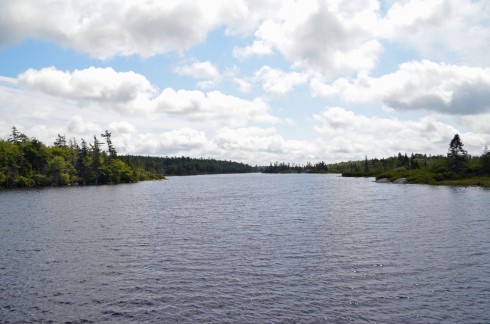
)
(456, 167)
(179, 166)
(27, 162)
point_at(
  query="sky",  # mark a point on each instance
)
(255, 81)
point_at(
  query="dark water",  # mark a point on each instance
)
(246, 248)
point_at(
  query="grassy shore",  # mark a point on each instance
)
(423, 176)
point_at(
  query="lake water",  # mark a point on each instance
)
(246, 248)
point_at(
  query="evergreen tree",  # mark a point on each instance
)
(60, 141)
(485, 161)
(110, 147)
(82, 162)
(456, 154)
(96, 159)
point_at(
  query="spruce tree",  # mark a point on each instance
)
(456, 154)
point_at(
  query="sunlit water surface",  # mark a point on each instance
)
(246, 248)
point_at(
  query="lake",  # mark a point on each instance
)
(246, 248)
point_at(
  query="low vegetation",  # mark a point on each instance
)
(456, 168)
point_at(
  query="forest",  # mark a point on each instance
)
(27, 162)
(457, 167)
(179, 166)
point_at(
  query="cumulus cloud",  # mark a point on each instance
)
(348, 134)
(80, 127)
(129, 92)
(326, 38)
(333, 37)
(444, 88)
(168, 143)
(213, 106)
(124, 91)
(258, 48)
(200, 70)
(278, 82)
(107, 28)
(455, 30)
(122, 127)
(262, 145)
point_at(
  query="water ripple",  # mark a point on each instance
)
(246, 248)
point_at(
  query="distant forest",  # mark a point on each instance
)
(27, 162)
(179, 166)
(457, 167)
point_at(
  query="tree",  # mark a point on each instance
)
(59, 171)
(60, 141)
(82, 165)
(110, 147)
(17, 137)
(456, 154)
(96, 153)
(485, 161)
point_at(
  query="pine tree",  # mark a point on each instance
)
(110, 147)
(456, 154)
(96, 158)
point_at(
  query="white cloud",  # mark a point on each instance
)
(455, 30)
(175, 142)
(123, 91)
(325, 38)
(318, 38)
(277, 81)
(129, 92)
(347, 135)
(213, 106)
(426, 85)
(477, 123)
(261, 146)
(258, 48)
(309, 33)
(122, 127)
(200, 70)
(80, 127)
(243, 85)
(107, 28)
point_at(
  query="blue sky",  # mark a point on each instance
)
(252, 81)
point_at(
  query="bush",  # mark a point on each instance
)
(40, 180)
(23, 182)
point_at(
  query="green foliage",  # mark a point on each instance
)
(456, 168)
(26, 162)
(485, 163)
(456, 154)
(179, 166)
(22, 182)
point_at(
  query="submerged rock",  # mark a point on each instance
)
(383, 180)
